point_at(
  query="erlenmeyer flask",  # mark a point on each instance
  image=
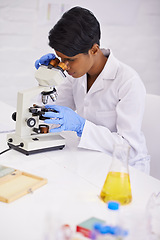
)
(117, 185)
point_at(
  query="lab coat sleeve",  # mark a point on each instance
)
(99, 138)
(129, 112)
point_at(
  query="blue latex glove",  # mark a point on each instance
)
(45, 60)
(66, 118)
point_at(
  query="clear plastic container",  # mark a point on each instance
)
(153, 216)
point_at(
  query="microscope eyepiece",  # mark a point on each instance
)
(53, 63)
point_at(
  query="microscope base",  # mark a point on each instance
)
(35, 151)
(36, 143)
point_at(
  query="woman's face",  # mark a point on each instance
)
(78, 65)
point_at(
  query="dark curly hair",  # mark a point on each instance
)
(76, 32)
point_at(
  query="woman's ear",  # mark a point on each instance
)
(94, 49)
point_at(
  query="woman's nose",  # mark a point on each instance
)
(67, 64)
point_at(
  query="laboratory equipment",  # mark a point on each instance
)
(31, 134)
(153, 216)
(15, 184)
(113, 213)
(86, 227)
(117, 185)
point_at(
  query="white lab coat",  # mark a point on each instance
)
(113, 109)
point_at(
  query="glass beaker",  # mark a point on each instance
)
(117, 185)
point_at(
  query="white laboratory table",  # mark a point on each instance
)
(75, 178)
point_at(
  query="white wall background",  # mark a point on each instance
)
(130, 28)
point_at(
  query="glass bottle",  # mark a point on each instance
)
(117, 185)
(153, 216)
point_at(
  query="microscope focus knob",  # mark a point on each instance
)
(31, 122)
(14, 116)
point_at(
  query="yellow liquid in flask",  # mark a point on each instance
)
(117, 188)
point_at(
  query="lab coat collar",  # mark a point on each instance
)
(111, 67)
(109, 72)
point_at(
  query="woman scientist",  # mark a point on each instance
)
(107, 95)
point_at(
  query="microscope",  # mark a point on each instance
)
(31, 134)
